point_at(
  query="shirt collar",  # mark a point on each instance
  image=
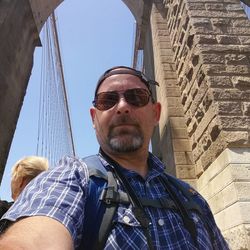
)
(156, 166)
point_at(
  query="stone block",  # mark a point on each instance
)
(243, 188)
(173, 92)
(232, 122)
(216, 203)
(206, 39)
(213, 58)
(183, 158)
(176, 111)
(238, 214)
(231, 94)
(220, 81)
(240, 172)
(185, 171)
(215, 6)
(229, 108)
(236, 59)
(226, 39)
(178, 122)
(237, 138)
(238, 237)
(238, 69)
(181, 145)
(179, 133)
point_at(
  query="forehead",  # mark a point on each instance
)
(120, 82)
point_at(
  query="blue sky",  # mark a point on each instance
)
(94, 36)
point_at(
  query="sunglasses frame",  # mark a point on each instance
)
(120, 94)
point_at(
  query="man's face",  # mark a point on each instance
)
(124, 127)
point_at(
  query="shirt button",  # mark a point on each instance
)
(195, 219)
(161, 222)
(126, 219)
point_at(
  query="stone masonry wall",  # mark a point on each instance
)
(226, 185)
(211, 43)
(172, 128)
(202, 61)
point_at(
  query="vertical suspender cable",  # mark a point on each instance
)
(63, 81)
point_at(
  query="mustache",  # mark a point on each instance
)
(123, 120)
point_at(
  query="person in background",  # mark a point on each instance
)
(22, 173)
(55, 209)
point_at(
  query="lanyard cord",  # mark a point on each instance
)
(137, 207)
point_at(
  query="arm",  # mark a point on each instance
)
(59, 195)
(38, 232)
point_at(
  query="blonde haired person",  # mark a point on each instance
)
(24, 171)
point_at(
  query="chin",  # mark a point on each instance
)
(125, 146)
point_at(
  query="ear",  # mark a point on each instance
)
(93, 114)
(157, 112)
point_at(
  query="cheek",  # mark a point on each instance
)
(102, 123)
(147, 121)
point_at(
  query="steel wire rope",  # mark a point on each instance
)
(49, 80)
(53, 102)
(63, 84)
(68, 147)
(40, 109)
(43, 94)
(55, 136)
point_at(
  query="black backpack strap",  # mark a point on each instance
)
(192, 203)
(188, 222)
(137, 206)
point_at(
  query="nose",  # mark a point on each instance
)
(122, 106)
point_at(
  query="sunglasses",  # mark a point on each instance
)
(138, 97)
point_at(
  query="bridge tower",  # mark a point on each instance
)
(199, 53)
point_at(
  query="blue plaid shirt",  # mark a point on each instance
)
(61, 194)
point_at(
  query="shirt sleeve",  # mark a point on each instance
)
(59, 194)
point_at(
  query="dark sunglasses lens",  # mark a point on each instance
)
(106, 100)
(137, 97)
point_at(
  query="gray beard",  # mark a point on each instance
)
(126, 145)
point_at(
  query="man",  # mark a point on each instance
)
(124, 116)
(23, 171)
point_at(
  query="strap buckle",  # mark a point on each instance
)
(109, 195)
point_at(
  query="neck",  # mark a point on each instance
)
(132, 161)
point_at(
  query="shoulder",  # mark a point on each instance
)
(179, 183)
(67, 167)
(188, 192)
(72, 162)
